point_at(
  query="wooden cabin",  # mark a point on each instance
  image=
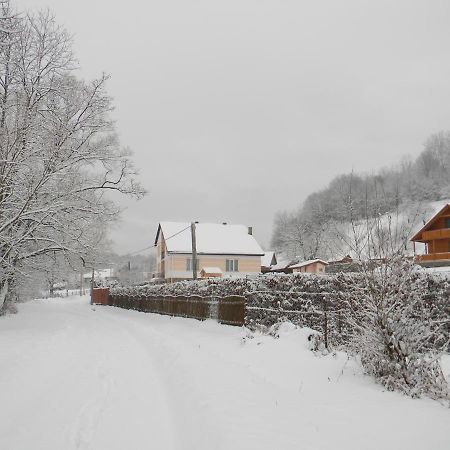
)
(435, 234)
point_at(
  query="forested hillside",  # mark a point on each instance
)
(320, 227)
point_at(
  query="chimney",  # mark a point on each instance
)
(250, 231)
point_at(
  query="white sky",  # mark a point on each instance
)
(238, 108)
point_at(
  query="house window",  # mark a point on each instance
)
(232, 265)
(190, 264)
(447, 222)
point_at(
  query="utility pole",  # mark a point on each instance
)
(194, 251)
(82, 276)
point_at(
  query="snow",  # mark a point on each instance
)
(211, 238)
(443, 271)
(74, 376)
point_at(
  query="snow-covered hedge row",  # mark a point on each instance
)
(316, 301)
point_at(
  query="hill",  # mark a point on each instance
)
(408, 191)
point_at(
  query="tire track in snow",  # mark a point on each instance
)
(86, 424)
(194, 426)
(128, 384)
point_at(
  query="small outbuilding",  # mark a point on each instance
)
(310, 266)
(211, 272)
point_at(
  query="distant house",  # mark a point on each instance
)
(232, 249)
(435, 234)
(268, 261)
(281, 265)
(310, 266)
(297, 266)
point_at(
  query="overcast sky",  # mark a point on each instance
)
(236, 109)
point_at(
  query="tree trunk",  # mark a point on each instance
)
(4, 286)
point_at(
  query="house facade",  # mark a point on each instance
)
(435, 234)
(231, 250)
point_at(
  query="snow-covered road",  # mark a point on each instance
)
(77, 377)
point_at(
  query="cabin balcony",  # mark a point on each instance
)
(433, 257)
(432, 235)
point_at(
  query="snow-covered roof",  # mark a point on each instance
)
(282, 263)
(211, 238)
(307, 263)
(266, 260)
(216, 270)
(418, 235)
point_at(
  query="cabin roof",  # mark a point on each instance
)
(418, 236)
(211, 238)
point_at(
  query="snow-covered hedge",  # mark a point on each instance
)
(317, 301)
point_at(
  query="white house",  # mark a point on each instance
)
(230, 249)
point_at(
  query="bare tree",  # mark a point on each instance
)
(58, 149)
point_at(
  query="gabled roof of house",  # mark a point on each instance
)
(268, 259)
(430, 223)
(211, 238)
(307, 263)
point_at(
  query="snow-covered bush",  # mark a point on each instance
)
(399, 318)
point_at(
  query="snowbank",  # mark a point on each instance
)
(103, 378)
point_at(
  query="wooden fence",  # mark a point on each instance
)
(318, 310)
(228, 310)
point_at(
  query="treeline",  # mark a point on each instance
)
(319, 228)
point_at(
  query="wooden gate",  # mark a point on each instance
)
(232, 310)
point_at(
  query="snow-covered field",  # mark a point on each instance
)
(77, 377)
